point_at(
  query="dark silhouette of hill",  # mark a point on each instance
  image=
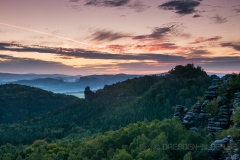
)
(19, 102)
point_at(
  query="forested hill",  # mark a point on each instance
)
(18, 102)
(115, 106)
(60, 134)
(148, 97)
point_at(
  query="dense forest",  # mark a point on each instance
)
(19, 102)
(133, 119)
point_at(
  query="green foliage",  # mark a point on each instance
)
(122, 155)
(212, 108)
(188, 156)
(236, 118)
(140, 141)
(188, 71)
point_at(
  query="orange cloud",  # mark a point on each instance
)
(202, 39)
(157, 47)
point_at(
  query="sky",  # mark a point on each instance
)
(84, 37)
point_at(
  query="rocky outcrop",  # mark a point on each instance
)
(218, 149)
(192, 119)
(236, 103)
(89, 95)
(180, 111)
(223, 149)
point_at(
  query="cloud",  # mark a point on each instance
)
(202, 39)
(199, 53)
(157, 62)
(107, 3)
(159, 33)
(196, 16)
(27, 65)
(116, 3)
(138, 6)
(157, 47)
(237, 10)
(224, 64)
(118, 48)
(80, 53)
(218, 19)
(21, 48)
(182, 7)
(33, 65)
(104, 35)
(232, 45)
(73, 0)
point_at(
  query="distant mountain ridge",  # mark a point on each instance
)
(59, 83)
(10, 77)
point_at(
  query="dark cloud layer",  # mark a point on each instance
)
(104, 35)
(180, 6)
(197, 57)
(199, 53)
(15, 64)
(80, 53)
(232, 45)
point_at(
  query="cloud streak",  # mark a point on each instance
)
(232, 45)
(80, 53)
(137, 5)
(107, 3)
(157, 47)
(160, 33)
(203, 40)
(218, 19)
(104, 35)
(182, 7)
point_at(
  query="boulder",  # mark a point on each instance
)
(211, 94)
(216, 81)
(213, 87)
(219, 99)
(237, 95)
(216, 148)
(235, 157)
